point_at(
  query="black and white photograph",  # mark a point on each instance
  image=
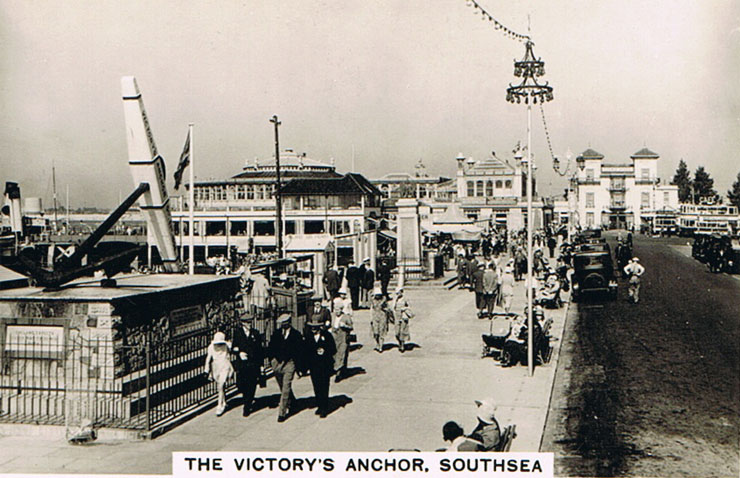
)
(383, 228)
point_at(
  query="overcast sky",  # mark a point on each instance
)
(395, 80)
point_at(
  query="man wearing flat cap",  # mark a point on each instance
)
(285, 352)
(250, 355)
(320, 350)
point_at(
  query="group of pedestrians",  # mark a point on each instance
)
(397, 312)
(290, 353)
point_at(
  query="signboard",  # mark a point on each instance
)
(34, 341)
(187, 320)
(98, 309)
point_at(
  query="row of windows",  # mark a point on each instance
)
(644, 175)
(480, 188)
(226, 192)
(262, 228)
(618, 199)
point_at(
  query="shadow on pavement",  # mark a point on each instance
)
(338, 401)
(351, 372)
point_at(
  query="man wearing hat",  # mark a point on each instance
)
(384, 276)
(487, 431)
(633, 271)
(354, 279)
(250, 356)
(332, 282)
(477, 278)
(341, 328)
(320, 350)
(285, 352)
(368, 282)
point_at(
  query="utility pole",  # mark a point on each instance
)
(278, 199)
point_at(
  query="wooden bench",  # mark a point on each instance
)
(507, 437)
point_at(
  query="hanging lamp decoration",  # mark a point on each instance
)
(529, 69)
(485, 16)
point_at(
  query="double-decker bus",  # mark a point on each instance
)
(708, 219)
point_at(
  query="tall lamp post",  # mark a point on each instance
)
(529, 90)
(572, 186)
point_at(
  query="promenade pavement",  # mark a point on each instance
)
(393, 401)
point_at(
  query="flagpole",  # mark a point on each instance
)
(191, 200)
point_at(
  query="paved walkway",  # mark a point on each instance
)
(395, 401)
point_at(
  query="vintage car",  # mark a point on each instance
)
(593, 272)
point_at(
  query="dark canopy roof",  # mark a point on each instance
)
(350, 183)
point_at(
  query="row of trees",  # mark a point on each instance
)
(701, 186)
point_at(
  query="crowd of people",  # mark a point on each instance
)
(321, 350)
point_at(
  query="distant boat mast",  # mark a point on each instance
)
(54, 188)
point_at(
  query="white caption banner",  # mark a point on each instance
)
(459, 465)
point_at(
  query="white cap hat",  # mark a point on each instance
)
(485, 411)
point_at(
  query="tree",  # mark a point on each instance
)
(704, 185)
(682, 179)
(734, 194)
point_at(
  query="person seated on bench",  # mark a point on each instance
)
(515, 347)
(453, 433)
(487, 431)
(550, 291)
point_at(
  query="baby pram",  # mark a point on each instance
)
(493, 341)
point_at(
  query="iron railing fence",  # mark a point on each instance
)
(62, 378)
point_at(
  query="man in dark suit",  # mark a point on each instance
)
(286, 353)
(477, 279)
(354, 280)
(384, 276)
(368, 283)
(250, 356)
(332, 282)
(320, 350)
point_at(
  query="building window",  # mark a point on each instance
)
(479, 188)
(215, 228)
(289, 228)
(508, 184)
(471, 189)
(589, 174)
(666, 198)
(645, 174)
(338, 227)
(314, 202)
(589, 199)
(238, 228)
(313, 227)
(645, 201)
(264, 228)
(240, 191)
(499, 184)
(489, 188)
(589, 219)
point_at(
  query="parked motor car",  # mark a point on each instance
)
(593, 273)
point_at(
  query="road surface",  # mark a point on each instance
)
(652, 389)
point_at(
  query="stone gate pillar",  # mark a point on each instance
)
(408, 243)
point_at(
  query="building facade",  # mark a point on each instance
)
(493, 190)
(239, 213)
(622, 195)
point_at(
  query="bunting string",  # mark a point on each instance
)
(497, 24)
(547, 132)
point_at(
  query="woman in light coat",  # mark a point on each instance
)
(401, 314)
(219, 368)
